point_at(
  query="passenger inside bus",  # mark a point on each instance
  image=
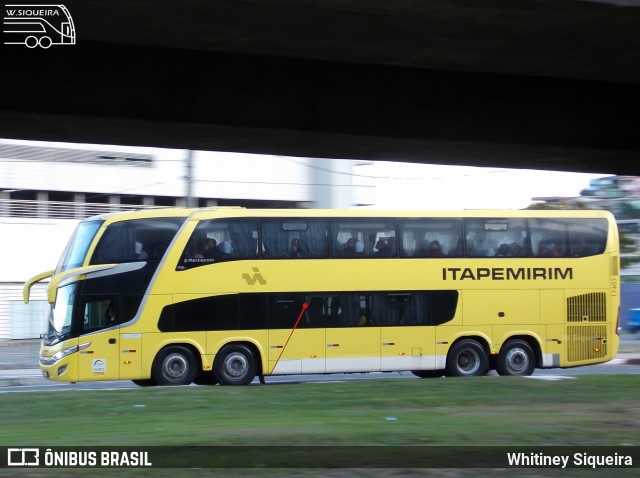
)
(141, 254)
(296, 251)
(225, 249)
(210, 249)
(382, 249)
(110, 314)
(433, 249)
(350, 248)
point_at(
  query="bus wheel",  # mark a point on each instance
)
(516, 358)
(174, 365)
(235, 365)
(467, 358)
(428, 373)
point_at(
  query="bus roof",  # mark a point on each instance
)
(221, 212)
(142, 214)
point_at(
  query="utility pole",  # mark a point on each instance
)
(332, 179)
(189, 179)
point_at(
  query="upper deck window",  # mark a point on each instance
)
(295, 239)
(136, 240)
(218, 240)
(76, 251)
(427, 237)
(354, 238)
(489, 237)
(568, 237)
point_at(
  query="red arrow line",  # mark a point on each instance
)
(305, 306)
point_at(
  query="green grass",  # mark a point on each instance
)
(589, 410)
(593, 410)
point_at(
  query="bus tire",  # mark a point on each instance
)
(174, 365)
(428, 373)
(516, 357)
(235, 365)
(467, 358)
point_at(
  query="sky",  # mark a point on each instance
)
(420, 186)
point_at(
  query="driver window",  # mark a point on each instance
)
(100, 314)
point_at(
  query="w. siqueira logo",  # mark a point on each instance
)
(38, 25)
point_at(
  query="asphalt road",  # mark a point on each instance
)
(19, 370)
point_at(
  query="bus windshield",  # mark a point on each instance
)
(60, 315)
(78, 246)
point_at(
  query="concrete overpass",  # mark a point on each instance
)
(545, 84)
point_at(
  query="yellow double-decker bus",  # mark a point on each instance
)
(225, 295)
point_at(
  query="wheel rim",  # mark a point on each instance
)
(235, 365)
(468, 361)
(517, 361)
(175, 367)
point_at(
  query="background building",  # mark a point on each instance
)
(45, 189)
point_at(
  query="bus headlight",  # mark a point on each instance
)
(62, 354)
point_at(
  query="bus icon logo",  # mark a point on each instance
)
(23, 457)
(38, 25)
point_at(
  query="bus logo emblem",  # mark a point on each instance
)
(38, 25)
(23, 457)
(255, 277)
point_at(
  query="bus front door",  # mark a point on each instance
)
(100, 359)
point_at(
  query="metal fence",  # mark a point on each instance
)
(61, 210)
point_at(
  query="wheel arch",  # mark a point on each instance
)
(480, 338)
(534, 343)
(193, 346)
(254, 346)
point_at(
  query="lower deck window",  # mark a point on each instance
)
(324, 310)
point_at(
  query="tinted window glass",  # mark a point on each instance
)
(100, 313)
(399, 308)
(284, 310)
(548, 237)
(252, 311)
(489, 237)
(294, 238)
(76, 251)
(568, 237)
(218, 240)
(443, 306)
(136, 240)
(354, 238)
(430, 237)
(209, 313)
(335, 310)
(587, 237)
(325, 310)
